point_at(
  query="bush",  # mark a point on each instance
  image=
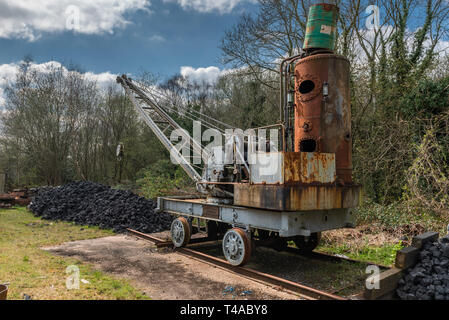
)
(426, 99)
(162, 178)
(399, 218)
(392, 215)
(428, 176)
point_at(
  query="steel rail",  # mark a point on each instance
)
(304, 291)
(313, 255)
(158, 242)
(166, 243)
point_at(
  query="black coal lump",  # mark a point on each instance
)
(429, 278)
(95, 204)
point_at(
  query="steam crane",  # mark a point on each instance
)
(292, 190)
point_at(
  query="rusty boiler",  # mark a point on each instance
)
(314, 167)
(323, 110)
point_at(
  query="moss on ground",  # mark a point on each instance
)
(383, 255)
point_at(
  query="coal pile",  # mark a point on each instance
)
(429, 279)
(94, 204)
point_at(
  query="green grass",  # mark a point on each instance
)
(41, 275)
(383, 255)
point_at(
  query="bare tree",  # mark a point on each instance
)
(42, 117)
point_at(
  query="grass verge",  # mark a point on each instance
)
(383, 255)
(31, 271)
(381, 231)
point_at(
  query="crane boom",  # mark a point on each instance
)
(153, 110)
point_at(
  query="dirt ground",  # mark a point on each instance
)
(162, 273)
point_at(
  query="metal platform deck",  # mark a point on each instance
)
(286, 223)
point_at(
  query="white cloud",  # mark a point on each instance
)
(103, 80)
(157, 38)
(28, 19)
(202, 75)
(8, 74)
(221, 6)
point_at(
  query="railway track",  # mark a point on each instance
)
(303, 291)
(203, 242)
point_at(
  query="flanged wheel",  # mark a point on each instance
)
(307, 244)
(180, 232)
(237, 247)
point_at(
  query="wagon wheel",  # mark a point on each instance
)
(237, 247)
(180, 232)
(307, 244)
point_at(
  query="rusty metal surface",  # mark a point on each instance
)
(3, 292)
(158, 242)
(211, 212)
(321, 27)
(293, 167)
(308, 167)
(297, 197)
(325, 120)
(7, 196)
(168, 243)
(14, 198)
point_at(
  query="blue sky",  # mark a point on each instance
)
(160, 36)
(113, 37)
